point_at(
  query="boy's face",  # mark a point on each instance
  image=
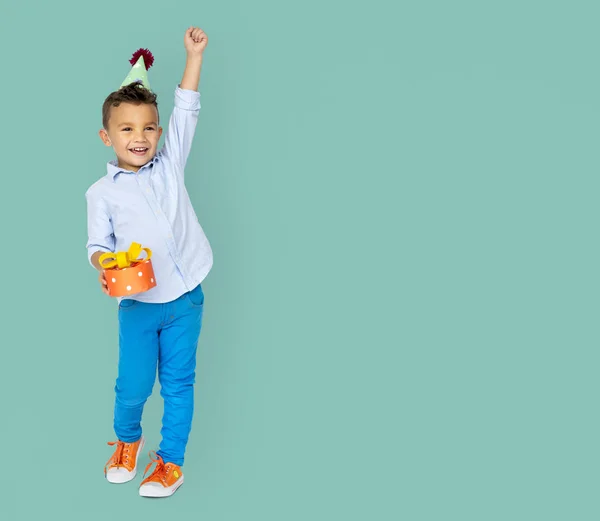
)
(134, 133)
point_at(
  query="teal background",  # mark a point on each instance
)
(402, 201)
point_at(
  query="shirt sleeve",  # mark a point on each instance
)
(100, 230)
(182, 126)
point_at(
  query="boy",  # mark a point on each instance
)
(143, 199)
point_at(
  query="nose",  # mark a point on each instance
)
(138, 135)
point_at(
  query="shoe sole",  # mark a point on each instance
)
(134, 471)
(162, 492)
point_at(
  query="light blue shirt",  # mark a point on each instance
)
(152, 207)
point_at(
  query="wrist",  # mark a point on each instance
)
(194, 58)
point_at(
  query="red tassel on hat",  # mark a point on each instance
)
(148, 57)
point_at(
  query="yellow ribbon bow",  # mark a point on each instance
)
(124, 259)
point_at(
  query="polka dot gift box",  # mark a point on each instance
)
(126, 273)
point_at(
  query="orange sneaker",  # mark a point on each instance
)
(164, 481)
(122, 465)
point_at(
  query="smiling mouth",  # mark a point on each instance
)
(139, 151)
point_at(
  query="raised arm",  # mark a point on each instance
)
(182, 125)
(195, 41)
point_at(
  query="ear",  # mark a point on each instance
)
(160, 129)
(104, 137)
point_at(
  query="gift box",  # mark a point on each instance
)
(126, 273)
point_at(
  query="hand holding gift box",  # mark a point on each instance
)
(126, 273)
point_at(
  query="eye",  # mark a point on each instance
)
(150, 128)
(126, 129)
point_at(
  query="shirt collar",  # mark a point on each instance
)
(113, 169)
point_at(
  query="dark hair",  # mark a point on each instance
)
(133, 93)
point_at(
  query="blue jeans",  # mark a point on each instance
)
(163, 335)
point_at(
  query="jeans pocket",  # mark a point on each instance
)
(126, 304)
(196, 296)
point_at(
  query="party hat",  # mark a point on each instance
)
(141, 60)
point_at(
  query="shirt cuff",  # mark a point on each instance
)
(187, 99)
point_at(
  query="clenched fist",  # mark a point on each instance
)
(195, 41)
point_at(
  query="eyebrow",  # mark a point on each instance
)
(132, 125)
